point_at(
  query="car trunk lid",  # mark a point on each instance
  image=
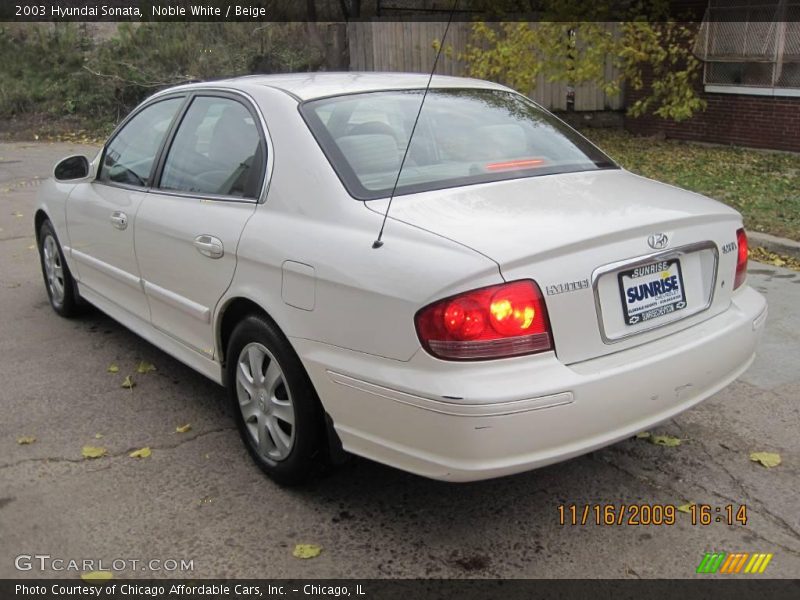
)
(584, 238)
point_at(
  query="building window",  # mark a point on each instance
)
(751, 47)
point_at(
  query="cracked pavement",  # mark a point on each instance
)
(199, 497)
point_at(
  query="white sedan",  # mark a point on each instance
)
(531, 301)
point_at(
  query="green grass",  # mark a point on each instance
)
(764, 186)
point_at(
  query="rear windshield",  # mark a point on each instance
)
(464, 136)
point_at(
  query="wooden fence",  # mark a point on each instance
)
(408, 46)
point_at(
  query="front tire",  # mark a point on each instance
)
(61, 289)
(276, 408)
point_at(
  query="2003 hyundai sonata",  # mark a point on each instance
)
(530, 301)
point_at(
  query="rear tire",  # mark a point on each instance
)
(59, 283)
(277, 411)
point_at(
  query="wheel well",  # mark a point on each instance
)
(236, 310)
(40, 218)
(240, 308)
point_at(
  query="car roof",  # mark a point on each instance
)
(307, 86)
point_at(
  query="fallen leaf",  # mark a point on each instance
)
(18, 214)
(141, 453)
(643, 435)
(25, 440)
(183, 428)
(763, 255)
(97, 576)
(664, 440)
(128, 383)
(32, 247)
(98, 436)
(145, 367)
(768, 459)
(112, 368)
(93, 452)
(686, 508)
(306, 551)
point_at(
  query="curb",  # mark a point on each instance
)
(774, 243)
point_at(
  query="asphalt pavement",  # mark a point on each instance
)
(199, 498)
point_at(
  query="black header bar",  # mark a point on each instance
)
(394, 10)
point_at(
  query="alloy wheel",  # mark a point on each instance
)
(54, 270)
(265, 401)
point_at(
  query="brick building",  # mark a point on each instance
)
(751, 78)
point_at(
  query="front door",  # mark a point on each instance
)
(100, 213)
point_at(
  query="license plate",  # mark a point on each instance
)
(652, 291)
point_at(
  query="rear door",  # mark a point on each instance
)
(100, 213)
(188, 226)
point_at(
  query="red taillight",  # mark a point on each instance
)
(492, 322)
(741, 259)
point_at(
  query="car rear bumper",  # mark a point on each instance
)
(471, 421)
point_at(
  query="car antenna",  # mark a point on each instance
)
(379, 242)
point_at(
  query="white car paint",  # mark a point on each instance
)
(304, 254)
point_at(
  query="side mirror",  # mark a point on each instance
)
(71, 168)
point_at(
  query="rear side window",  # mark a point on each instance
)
(217, 150)
(464, 136)
(130, 154)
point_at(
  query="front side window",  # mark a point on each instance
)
(130, 154)
(217, 150)
(464, 136)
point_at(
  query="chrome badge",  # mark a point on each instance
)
(658, 241)
(567, 286)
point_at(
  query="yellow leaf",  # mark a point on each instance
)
(128, 383)
(686, 508)
(145, 367)
(664, 440)
(97, 576)
(141, 453)
(25, 439)
(643, 435)
(306, 551)
(93, 452)
(183, 428)
(768, 459)
(112, 368)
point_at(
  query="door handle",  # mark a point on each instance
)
(209, 246)
(119, 220)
